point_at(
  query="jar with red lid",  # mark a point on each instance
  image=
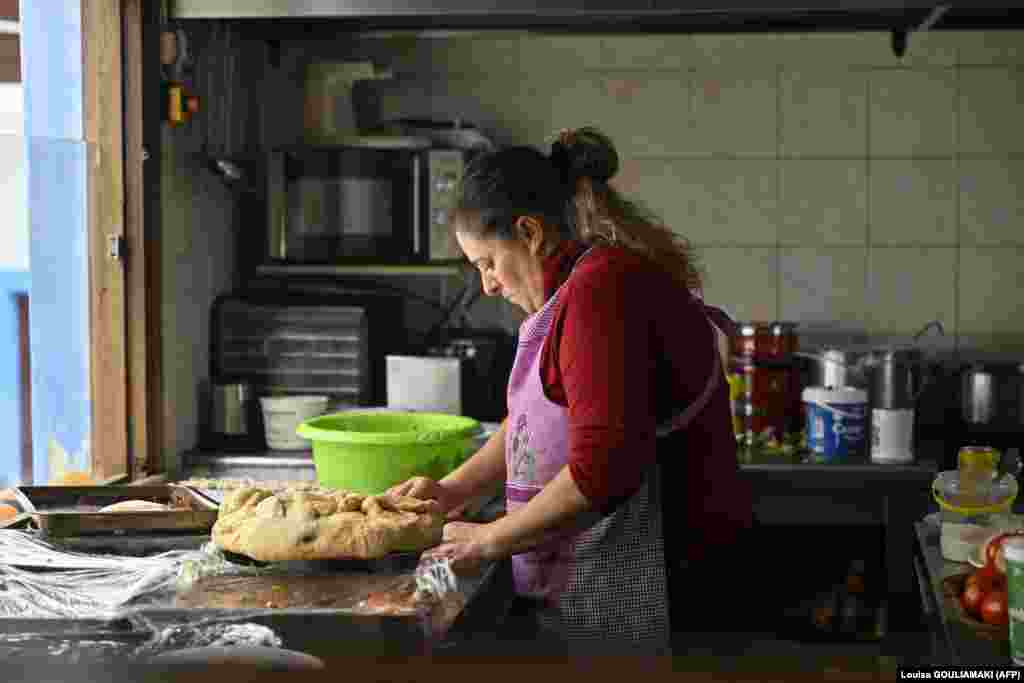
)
(763, 367)
(753, 340)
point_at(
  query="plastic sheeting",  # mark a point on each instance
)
(38, 580)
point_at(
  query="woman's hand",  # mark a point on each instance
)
(466, 545)
(423, 488)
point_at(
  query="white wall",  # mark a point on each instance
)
(820, 177)
(13, 187)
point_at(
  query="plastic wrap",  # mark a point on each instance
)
(212, 634)
(435, 579)
(38, 580)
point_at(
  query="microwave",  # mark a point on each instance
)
(382, 203)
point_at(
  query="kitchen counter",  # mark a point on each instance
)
(955, 643)
(854, 493)
(328, 633)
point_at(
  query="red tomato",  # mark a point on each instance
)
(994, 608)
(987, 579)
(972, 598)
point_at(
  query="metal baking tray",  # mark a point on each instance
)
(392, 562)
(61, 511)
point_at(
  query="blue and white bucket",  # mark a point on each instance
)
(836, 422)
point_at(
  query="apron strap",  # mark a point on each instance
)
(718, 319)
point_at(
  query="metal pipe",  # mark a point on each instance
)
(934, 16)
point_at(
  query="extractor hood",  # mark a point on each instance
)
(612, 15)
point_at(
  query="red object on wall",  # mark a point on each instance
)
(180, 106)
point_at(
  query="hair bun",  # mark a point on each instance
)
(585, 153)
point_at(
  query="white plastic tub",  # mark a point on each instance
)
(282, 415)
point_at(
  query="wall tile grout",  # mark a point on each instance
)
(777, 213)
(957, 257)
(866, 306)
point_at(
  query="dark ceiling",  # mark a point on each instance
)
(733, 21)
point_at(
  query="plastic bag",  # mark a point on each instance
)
(39, 580)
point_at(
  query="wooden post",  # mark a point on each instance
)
(142, 274)
(103, 123)
(25, 388)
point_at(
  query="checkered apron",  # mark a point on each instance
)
(605, 587)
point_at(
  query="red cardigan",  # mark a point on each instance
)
(629, 348)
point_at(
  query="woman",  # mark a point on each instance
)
(617, 453)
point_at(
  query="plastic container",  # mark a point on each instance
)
(283, 414)
(967, 507)
(958, 541)
(1014, 552)
(836, 422)
(370, 451)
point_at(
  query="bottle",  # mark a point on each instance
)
(179, 105)
(1014, 553)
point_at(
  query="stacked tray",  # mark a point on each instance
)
(70, 517)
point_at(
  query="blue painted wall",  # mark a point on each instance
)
(14, 273)
(11, 284)
(51, 42)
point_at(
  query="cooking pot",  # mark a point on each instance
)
(230, 408)
(992, 393)
(890, 373)
(838, 366)
(233, 417)
(896, 377)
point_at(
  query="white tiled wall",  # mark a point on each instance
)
(821, 177)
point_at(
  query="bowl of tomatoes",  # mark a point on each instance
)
(980, 597)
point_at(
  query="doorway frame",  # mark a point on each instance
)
(124, 299)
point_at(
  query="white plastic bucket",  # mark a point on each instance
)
(836, 422)
(282, 415)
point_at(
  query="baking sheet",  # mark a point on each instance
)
(392, 563)
(61, 511)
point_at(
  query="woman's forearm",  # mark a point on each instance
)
(559, 509)
(482, 472)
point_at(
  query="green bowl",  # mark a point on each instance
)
(370, 451)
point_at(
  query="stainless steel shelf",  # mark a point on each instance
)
(359, 270)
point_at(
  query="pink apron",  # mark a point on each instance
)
(606, 585)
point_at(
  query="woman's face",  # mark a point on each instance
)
(510, 268)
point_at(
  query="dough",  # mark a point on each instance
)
(324, 525)
(231, 484)
(135, 506)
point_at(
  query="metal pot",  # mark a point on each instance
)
(992, 393)
(838, 367)
(232, 408)
(892, 375)
(895, 373)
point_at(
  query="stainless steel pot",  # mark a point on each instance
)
(231, 409)
(892, 375)
(992, 393)
(896, 382)
(837, 367)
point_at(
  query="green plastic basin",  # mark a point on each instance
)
(370, 451)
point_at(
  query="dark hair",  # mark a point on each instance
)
(568, 190)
